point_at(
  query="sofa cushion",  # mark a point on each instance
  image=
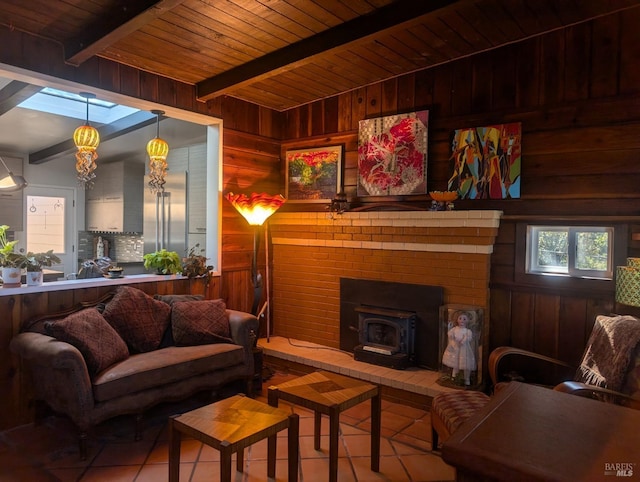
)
(171, 299)
(200, 322)
(90, 333)
(138, 318)
(167, 365)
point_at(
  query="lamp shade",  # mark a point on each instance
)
(628, 283)
(256, 208)
(11, 182)
(86, 137)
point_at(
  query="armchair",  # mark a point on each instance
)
(609, 370)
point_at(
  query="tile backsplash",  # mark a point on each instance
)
(122, 248)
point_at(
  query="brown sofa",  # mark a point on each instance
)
(78, 377)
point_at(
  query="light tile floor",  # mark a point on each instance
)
(49, 452)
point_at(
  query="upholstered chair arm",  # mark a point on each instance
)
(59, 374)
(597, 393)
(507, 363)
(244, 327)
(244, 331)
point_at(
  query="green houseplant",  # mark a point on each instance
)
(163, 261)
(9, 258)
(10, 261)
(195, 265)
(35, 263)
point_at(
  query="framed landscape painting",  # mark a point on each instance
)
(313, 174)
(392, 155)
(486, 162)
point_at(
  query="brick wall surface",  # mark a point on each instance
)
(312, 251)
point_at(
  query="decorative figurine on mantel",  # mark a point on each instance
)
(442, 200)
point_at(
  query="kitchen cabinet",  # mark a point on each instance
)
(11, 203)
(197, 190)
(115, 204)
(193, 159)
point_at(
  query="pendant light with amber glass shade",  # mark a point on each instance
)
(86, 138)
(158, 150)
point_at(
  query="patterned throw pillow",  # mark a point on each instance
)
(90, 333)
(138, 318)
(200, 322)
(171, 299)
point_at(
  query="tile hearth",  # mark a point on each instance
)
(415, 380)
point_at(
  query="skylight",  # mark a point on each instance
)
(59, 102)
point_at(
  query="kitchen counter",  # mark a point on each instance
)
(88, 283)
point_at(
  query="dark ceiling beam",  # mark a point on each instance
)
(358, 29)
(107, 132)
(113, 27)
(14, 93)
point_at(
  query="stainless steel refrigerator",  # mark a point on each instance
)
(165, 216)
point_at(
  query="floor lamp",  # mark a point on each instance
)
(256, 209)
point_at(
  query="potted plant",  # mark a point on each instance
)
(195, 265)
(35, 262)
(10, 261)
(163, 261)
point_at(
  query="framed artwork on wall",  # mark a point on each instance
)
(392, 155)
(486, 162)
(314, 175)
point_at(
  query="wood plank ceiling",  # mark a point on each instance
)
(285, 53)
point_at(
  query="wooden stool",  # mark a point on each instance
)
(329, 393)
(449, 410)
(229, 426)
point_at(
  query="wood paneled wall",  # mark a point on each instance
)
(576, 92)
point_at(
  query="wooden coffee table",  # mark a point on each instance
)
(229, 426)
(329, 393)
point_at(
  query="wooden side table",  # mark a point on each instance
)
(531, 433)
(230, 426)
(329, 393)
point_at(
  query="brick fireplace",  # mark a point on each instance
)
(312, 251)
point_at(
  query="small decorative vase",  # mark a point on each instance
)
(34, 278)
(11, 277)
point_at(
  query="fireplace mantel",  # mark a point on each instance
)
(435, 231)
(313, 250)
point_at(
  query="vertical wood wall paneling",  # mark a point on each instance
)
(629, 48)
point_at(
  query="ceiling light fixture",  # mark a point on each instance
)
(86, 138)
(157, 150)
(11, 182)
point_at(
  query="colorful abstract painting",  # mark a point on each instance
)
(486, 162)
(392, 155)
(314, 174)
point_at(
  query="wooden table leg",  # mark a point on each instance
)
(376, 409)
(240, 460)
(334, 425)
(317, 428)
(272, 441)
(225, 462)
(174, 452)
(293, 446)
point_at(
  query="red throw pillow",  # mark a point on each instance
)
(138, 318)
(90, 333)
(200, 322)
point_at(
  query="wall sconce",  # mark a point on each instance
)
(628, 283)
(11, 182)
(158, 150)
(339, 204)
(256, 209)
(86, 138)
